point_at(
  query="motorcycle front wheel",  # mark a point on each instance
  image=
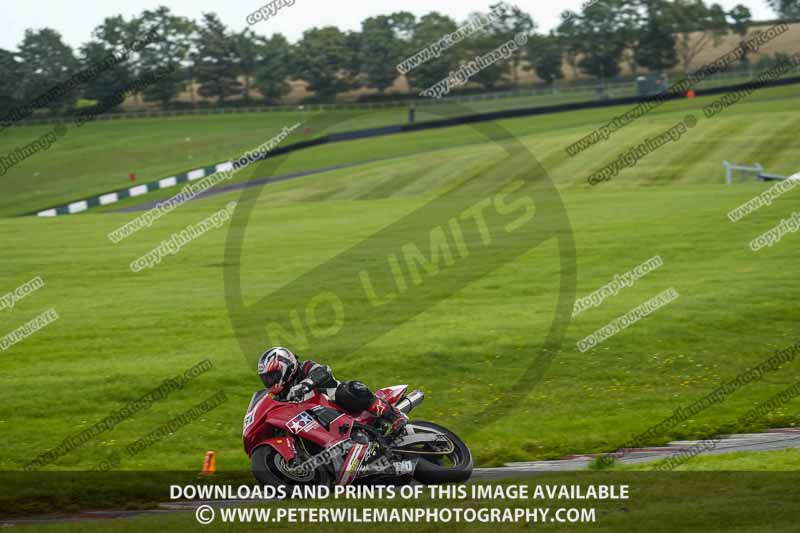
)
(270, 468)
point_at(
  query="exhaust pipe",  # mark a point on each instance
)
(410, 402)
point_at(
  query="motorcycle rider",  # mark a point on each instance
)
(289, 380)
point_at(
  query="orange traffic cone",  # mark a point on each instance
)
(209, 465)
(690, 94)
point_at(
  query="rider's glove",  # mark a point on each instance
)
(298, 392)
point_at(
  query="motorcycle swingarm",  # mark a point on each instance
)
(422, 438)
(417, 438)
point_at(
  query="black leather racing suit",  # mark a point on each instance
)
(353, 396)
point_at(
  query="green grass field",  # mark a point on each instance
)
(98, 158)
(121, 334)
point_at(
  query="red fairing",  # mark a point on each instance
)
(270, 418)
(392, 394)
(283, 445)
(352, 463)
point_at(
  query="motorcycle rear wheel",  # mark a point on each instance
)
(431, 470)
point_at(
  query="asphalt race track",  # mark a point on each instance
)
(773, 440)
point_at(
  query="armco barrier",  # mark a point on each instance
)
(138, 190)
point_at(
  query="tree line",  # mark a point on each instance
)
(656, 35)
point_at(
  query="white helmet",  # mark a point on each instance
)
(276, 367)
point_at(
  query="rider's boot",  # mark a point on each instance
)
(394, 418)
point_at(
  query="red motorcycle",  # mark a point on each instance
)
(316, 442)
